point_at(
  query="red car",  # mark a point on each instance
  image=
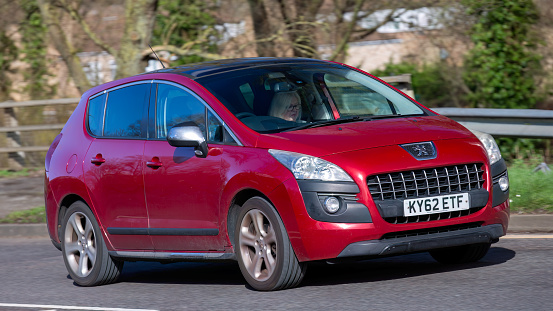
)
(272, 162)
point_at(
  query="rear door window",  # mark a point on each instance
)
(125, 111)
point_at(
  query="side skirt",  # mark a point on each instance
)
(168, 256)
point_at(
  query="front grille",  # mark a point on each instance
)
(431, 217)
(426, 182)
(422, 232)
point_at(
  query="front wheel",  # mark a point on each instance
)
(460, 254)
(84, 252)
(263, 250)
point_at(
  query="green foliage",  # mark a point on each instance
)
(530, 192)
(8, 54)
(185, 23)
(25, 172)
(34, 34)
(31, 216)
(431, 89)
(499, 70)
(522, 149)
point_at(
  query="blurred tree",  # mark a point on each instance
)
(186, 28)
(346, 29)
(33, 37)
(283, 25)
(8, 54)
(500, 69)
(262, 29)
(430, 88)
(139, 22)
(52, 19)
(299, 24)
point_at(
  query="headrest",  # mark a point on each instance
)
(279, 85)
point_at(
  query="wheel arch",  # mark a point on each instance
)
(238, 200)
(64, 206)
(279, 188)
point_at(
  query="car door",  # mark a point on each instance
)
(182, 190)
(113, 164)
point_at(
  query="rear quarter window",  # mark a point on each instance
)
(95, 115)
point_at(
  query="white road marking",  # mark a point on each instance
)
(55, 307)
(528, 236)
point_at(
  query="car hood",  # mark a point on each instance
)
(332, 139)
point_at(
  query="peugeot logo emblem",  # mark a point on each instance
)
(421, 151)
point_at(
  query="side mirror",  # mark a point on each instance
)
(188, 134)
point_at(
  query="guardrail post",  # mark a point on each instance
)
(16, 160)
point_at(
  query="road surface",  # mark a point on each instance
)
(517, 274)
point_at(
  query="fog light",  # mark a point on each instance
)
(504, 183)
(332, 204)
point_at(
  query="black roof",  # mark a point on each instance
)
(203, 69)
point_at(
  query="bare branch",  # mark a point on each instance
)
(340, 49)
(63, 45)
(182, 52)
(85, 27)
(390, 17)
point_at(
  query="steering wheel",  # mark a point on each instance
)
(242, 115)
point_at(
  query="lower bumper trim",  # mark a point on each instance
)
(404, 245)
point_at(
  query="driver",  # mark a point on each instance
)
(286, 105)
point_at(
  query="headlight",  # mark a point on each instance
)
(308, 167)
(490, 145)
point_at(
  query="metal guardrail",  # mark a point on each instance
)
(42, 102)
(524, 123)
(530, 123)
(13, 147)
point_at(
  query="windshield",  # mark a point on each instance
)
(289, 97)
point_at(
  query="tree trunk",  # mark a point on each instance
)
(51, 18)
(303, 35)
(262, 29)
(139, 22)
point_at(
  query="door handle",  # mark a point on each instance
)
(98, 159)
(155, 163)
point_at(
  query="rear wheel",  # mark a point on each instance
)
(84, 251)
(263, 250)
(460, 254)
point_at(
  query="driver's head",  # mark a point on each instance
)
(286, 105)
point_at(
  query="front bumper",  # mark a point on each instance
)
(413, 244)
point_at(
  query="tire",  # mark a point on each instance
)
(460, 254)
(84, 251)
(263, 250)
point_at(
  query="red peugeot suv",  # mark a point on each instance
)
(272, 162)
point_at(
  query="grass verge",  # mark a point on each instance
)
(530, 192)
(31, 216)
(21, 173)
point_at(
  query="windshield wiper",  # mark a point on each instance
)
(327, 122)
(389, 116)
(346, 120)
(386, 116)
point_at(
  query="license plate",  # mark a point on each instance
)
(437, 204)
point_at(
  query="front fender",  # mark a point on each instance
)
(245, 168)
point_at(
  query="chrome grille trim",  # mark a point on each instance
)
(426, 182)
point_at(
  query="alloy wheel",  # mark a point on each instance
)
(80, 244)
(258, 245)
